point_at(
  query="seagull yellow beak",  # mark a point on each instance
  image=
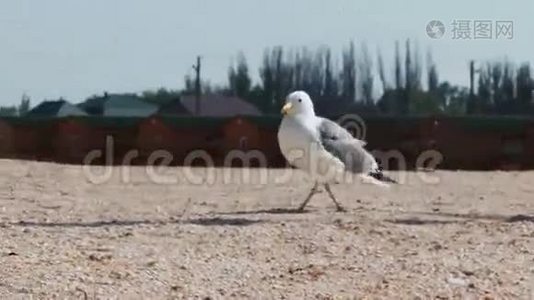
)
(287, 107)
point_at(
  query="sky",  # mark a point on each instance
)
(74, 49)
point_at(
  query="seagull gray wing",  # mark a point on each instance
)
(331, 129)
(341, 144)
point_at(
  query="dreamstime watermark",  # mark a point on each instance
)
(199, 167)
(355, 125)
(466, 29)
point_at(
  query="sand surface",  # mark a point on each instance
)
(467, 235)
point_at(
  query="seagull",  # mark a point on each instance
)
(323, 149)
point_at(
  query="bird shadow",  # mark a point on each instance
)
(416, 219)
(218, 221)
(272, 211)
(484, 217)
(520, 218)
(88, 224)
(203, 221)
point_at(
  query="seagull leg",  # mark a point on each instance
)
(313, 191)
(329, 191)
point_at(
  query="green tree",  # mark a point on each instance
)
(189, 85)
(366, 76)
(508, 104)
(8, 111)
(330, 85)
(483, 99)
(24, 105)
(161, 96)
(348, 74)
(239, 79)
(525, 88)
(453, 98)
(398, 68)
(432, 74)
(382, 72)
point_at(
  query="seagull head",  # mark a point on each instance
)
(298, 102)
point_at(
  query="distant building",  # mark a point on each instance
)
(215, 105)
(173, 108)
(55, 109)
(127, 106)
(118, 105)
(93, 106)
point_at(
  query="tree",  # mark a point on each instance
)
(502, 88)
(8, 111)
(483, 103)
(24, 105)
(508, 104)
(239, 79)
(412, 69)
(432, 74)
(496, 76)
(278, 61)
(189, 85)
(454, 97)
(160, 97)
(348, 74)
(525, 88)
(330, 86)
(416, 71)
(366, 77)
(408, 76)
(398, 68)
(381, 71)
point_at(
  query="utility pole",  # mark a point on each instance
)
(197, 86)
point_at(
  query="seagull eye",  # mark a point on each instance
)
(300, 100)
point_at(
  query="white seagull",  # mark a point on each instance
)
(323, 148)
